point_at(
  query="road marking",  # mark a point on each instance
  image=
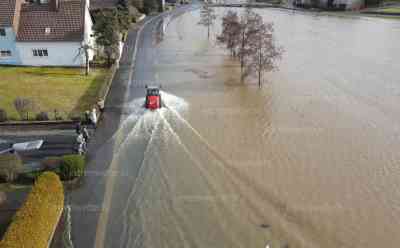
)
(104, 213)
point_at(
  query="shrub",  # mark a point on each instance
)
(57, 115)
(72, 166)
(3, 115)
(42, 116)
(23, 106)
(10, 166)
(34, 223)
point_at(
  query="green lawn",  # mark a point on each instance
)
(390, 10)
(67, 90)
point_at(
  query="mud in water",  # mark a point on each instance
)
(310, 160)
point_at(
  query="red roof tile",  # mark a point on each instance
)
(7, 11)
(66, 24)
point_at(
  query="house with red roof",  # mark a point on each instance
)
(45, 32)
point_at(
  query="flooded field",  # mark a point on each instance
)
(311, 160)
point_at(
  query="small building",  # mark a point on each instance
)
(45, 32)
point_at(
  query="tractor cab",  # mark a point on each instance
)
(153, 98)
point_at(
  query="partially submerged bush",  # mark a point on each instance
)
(3, 115)
(10, 166)
(72, 166)
(34, 223)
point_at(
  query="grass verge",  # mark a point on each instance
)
(390, 10)
(66, 90)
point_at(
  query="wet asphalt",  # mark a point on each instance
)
(86, 201)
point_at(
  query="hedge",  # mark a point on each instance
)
(72, 166)
(34, 223)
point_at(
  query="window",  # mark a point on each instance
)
(2, 32)
(5, 53)
(40, 53)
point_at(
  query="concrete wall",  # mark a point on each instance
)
(8, 43)
(59, 54)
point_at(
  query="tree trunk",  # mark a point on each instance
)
(87, 63)
(242, 58)
(259, 68)
(109, 60)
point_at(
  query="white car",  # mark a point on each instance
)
(24, 146)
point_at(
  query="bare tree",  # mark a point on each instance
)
(85, 48)
(250, 23)
(265, 52)
(207, 17)
(23, 106)
(252, 41)
(230, 31)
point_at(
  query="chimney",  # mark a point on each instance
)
(54, 5)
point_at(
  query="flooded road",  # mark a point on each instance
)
(311, 160)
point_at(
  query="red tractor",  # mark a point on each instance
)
(153, 98)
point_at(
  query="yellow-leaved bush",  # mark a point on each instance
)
(34, 223)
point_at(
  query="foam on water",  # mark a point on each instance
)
(141, 121)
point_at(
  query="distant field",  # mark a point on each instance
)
(66, 90)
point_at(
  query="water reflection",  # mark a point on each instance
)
(314, 152)
(312, 156)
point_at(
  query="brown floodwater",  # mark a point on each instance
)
(310, 160)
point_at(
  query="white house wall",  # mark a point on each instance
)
(59, 54)
(88, 36)
(8, 43)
